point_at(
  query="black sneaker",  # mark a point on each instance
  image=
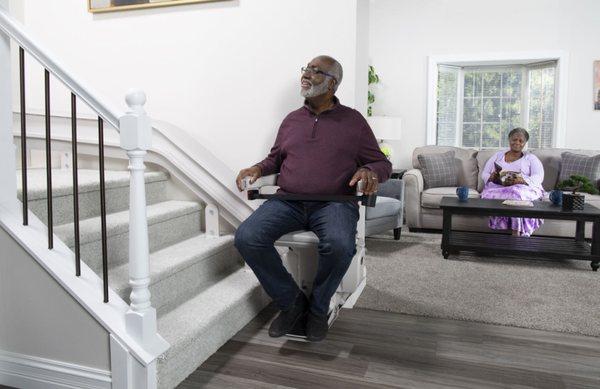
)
(287, 319)
(316, 327)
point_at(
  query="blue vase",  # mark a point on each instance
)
(556, 197)
(463, 193)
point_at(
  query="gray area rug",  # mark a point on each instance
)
(411, 276)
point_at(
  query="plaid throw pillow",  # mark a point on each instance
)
(438, 169)
(581, 165)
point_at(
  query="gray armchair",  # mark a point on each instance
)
(388, 213)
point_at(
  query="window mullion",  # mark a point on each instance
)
(501, 111)
(460, 95)
(555, 106)
(525, 98)
(542, 97)
(481, 116)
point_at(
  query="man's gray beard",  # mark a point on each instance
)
(315, 91)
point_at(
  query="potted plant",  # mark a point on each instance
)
(373, 79)
(574, 201)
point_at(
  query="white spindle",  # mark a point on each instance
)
(8, 183)
(136, 139)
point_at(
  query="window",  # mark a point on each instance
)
(478, 105)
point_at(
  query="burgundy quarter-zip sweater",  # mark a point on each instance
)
(319, 154)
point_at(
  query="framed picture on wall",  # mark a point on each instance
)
(96, 6)
(597, 85)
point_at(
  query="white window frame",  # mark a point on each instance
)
(499, 59)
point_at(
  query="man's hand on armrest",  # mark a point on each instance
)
(369, 178)
(254, 172)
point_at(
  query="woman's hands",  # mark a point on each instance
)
(494, 177)
(514, 181)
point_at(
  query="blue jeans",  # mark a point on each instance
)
(334, 223)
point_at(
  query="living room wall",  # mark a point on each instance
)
(227, 72)
(403, 33)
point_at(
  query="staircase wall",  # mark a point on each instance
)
(227, 72)
(39, 319)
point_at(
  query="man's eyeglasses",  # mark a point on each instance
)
(308, 69)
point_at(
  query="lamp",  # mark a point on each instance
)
(385, 128)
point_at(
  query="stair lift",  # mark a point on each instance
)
(301, 257)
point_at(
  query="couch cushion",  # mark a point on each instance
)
(550, 159)
(431, 198)
(464, 158)
(482, 158)
(581, 165)
(386, 206)
(438, 169)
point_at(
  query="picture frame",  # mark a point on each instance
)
(596, 85)
(101, 6)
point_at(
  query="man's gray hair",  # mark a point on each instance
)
(335, 69)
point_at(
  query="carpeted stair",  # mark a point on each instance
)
(201, 290)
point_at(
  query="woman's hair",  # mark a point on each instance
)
(519, 130)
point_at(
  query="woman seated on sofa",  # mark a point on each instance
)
(526, 185)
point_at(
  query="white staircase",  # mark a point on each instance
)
(176, 289)
(201, 290)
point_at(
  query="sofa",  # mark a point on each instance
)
(422, 205)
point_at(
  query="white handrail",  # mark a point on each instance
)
(135, 135)
(16, 31)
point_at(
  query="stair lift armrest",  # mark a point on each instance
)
(254, 192)
(264, 181)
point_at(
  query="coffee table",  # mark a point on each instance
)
(454, 241)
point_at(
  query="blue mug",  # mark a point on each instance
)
(463, 193)
(556, 197)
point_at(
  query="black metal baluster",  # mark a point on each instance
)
(48, 158)
(103, 207)
(75, 183)
(23, 136)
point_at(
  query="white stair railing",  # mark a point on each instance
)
(135, 132)
(136, 139)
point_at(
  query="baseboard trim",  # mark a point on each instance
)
(24, 371)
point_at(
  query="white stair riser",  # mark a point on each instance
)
(161, 234)
(180, 361)
(117, 199)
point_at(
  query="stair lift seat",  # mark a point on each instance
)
(301, 257)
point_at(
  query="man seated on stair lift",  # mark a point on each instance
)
(322, 148)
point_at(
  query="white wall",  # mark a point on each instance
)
(38, 318)
(403, 33)
(227, 72)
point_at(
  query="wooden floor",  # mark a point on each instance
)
(372, 349)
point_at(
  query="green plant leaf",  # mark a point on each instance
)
(370, 98)
(577, 183)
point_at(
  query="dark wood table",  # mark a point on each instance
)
(538, 246)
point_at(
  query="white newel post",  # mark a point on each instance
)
(135, 131)
(8, 178)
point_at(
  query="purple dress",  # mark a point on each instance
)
(533, 173)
